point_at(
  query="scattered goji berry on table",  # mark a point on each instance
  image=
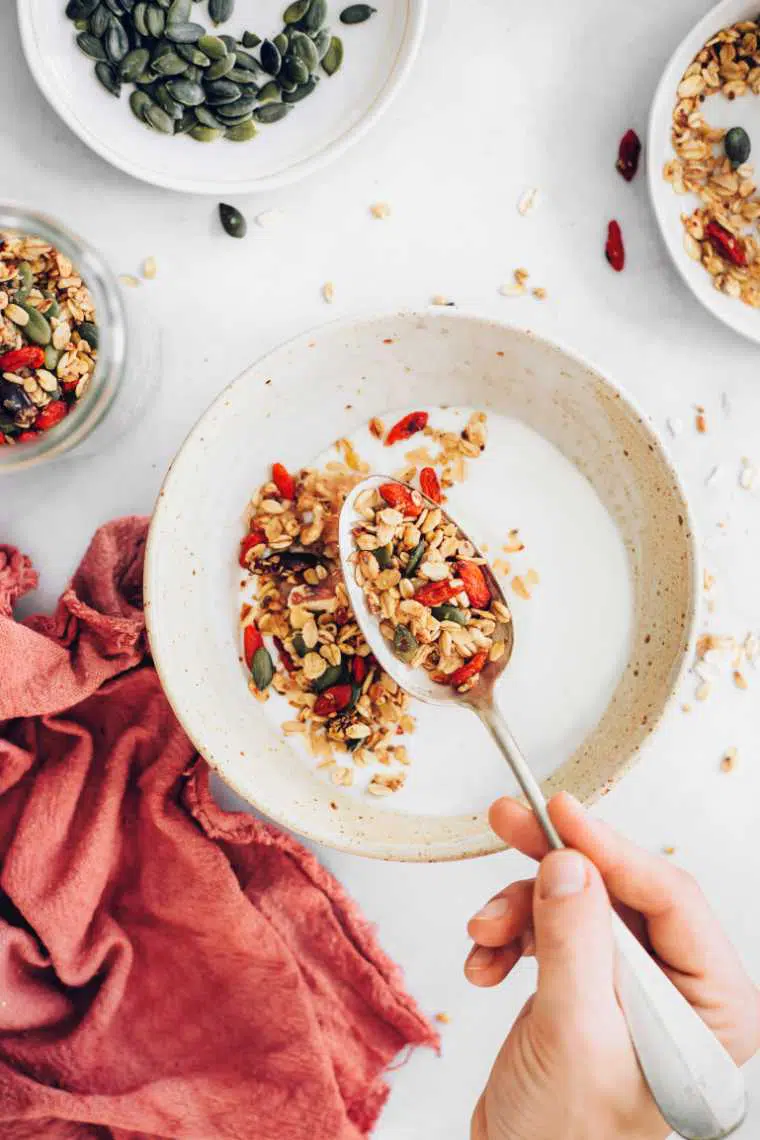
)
(31, 356)
(726, 244)
(51, 415)
(629, 153)
(401, 499)
(407, 427)
(436, 593)
(334, 700)
(429, 484)
(614, 250)
(255, 538)
(252, 640)
(284, 481)
(288, 663)
(475, 584)
(469, 670)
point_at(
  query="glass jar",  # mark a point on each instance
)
(127, 347)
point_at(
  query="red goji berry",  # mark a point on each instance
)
(401, 499)
(725, 244)
(436, 593)
(255, 538)
(358, 669)
(31, 356)
(429, 484)
(475, 584)
(252, 640)
(629, 153)
(614, 250)
(27, 436)
(469, 670)
(406, 427)
(287, 661)
(334, 700)
(341, 616)
(284, 481)
(51, 415)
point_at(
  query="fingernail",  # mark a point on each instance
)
(496, 908)
(562, 873)
(528, 943)
(480, 959)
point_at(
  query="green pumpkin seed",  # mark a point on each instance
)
(384, 556)
(295, 69)
(296, 11)
(193, 56)
(270, 92)
(185, 33)
(91, 46)
(300, 645)
(52, 356)
(330, 677)
(285, 84)
(53, 309)
(232, 221)
(80, 9)
(250, 40)
(305, 50)
(89, 332)
(169, 63)
(262, 669)
(133, 64)
(450, 613)
(139, 101)
(241, 107)
(415, 558)
(322, 43)
(236, 75)
(271, 112)
(405, 644)
(301, 92)
(173, 108)
(140, 17)
(281, 42)
(246, 62)
(187, 93)
(155, 21)
(159, 119)
(107, 77)
(206, 119)
(271, 60)
(165, 4)
(241, 132)
(315, 17)
(333, 57)
(116, 42)
(221, 68)
(37, 329)
(179, 11)
(356, 13)
(213, 47)
(26, 276)
(187, 123)
(99, 21)
(222, 91)
(220, 10)
(193, 74)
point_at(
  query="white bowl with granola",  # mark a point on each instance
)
(703, 130)
(555, 477)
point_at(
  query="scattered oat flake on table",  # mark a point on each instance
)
(730, 760)
(380, 210)
(512, 290)
(747, 474)
(328, 292)
(439, 299)
(521, 275)
(513, 545)
(520, 588)
(675, 426)
(527, 201)
(703, 691)
(685, 708)
(150, 268)
(270, 218)
(540, 293)
(708, 580)
(129, 280)
(376, 427)
(668, 850)
(443, 1018)
(740, 680)
(700, 421)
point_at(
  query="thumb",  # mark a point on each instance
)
(574, 947)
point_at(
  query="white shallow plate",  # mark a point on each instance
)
(378, 56)
(668, 206)
(598, 648)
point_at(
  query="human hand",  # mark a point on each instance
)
(567, 1067)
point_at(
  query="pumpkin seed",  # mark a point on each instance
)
(187, 123)
(281, 42)
(405, 644)
(305, 50)
(296, 11)
(193, 74)
(168, 63)
(52, 356)
(241, 107)
(356, 13)
(213, 47)
(140, 17)
(206, 119)
(262, 669)
(229, 41)
(220, 67)
(187, 93)
(322, 42)
(415, 558)
(301, 92)
(26, 277)
(270, 92)
(241, 132)
(107, 77)
(333, 57)
(222, 91)
(37, 328)
(91, 46)
(295, 69)
(232, 221)
(237, 75)
(133, 64)
(80, 9)
(246, 62)
(173, 108)
(315, 16)
(450, 613)
(164, 3)
(185, 33)
(53, 309)
(220, 10)
(179, 11)
(114, 6)
(89, 332)
(271, 112)
(300, 645)
(159, 119)
(193, 56)
(271, 60)
(384, 556)
(155, 21)
(139, 101)
(116, 42)
(99, 21)
(250, 40)
(330, 677)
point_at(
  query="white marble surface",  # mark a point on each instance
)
(505, 96)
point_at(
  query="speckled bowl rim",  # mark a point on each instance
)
(493, 845)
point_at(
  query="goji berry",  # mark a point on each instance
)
(725, 244)
(255, 538)
(406, 427)
(341, 616)
(27, 436)
(614, 250)
(31, 356)
(287, 661)
(252, 640)
(51, 415)
(284, 481)
(469, 670)
(358, 669)
(334, 700)
(436, 593)
(629, 153)
(401, 499)
(429, 484)
(475, 584)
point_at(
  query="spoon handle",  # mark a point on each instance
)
(695, 1083)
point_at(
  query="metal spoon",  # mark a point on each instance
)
(698, 1088)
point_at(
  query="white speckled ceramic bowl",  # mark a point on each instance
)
(598, 649)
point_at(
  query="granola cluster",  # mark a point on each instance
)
(719, 233)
